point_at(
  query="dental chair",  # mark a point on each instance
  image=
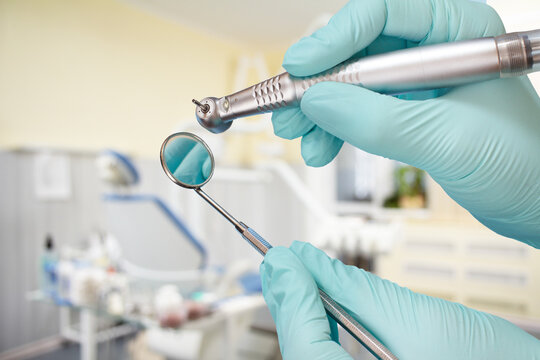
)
(155, 243)
(157, 246)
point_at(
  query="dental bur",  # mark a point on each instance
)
(421, 68)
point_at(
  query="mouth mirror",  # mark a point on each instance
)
(187, 160)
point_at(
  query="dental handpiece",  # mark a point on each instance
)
(332, 308)
(421, 68)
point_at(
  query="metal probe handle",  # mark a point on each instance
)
(332, 308)
(424, 67)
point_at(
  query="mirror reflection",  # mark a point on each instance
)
(187, 159)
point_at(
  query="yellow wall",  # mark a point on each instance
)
(97, 73)
(89, 74)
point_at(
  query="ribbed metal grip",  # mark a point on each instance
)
(268, 94)
(513, 55)
(283, 90)
(255, 240)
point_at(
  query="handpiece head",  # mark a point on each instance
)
(208, 115)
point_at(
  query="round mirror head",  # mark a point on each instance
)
(187, 160)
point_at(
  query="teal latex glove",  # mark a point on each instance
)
(188, 161)
(411, 325)
(480, 142)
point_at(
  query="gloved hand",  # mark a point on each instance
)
(188, 161)
(411, 325)
(480, 142)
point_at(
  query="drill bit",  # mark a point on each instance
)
(204, 107)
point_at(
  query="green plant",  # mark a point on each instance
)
(409, 181)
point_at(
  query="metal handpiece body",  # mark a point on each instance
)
(424, 67)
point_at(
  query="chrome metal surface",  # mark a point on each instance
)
(210, 116)
(519, 52)
(221, 210)
(168, 172)
(512, 55)
(534, 41)
(420, 68)
(255, 240)
(354, 328)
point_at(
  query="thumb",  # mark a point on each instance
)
(292, 296)
(356, 26)
(408, 131)
(411, 325)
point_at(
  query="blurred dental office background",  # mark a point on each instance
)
(102, 257)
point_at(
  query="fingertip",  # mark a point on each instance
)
(285, 278)
(290, 123)
(275, 253)
(297, 245)
(350, 30)
(264, 278)
(323, 103)
(280, 262)
(307, 253)
(324, 90)
(304, 250)
(376, 123)
(294, 60)
(279, 259)
(303, 58)
(318, 147)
